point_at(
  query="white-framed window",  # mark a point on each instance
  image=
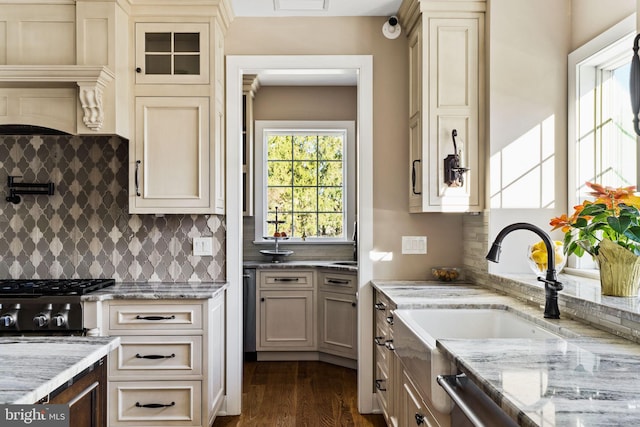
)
(602, 143)
(305, 169)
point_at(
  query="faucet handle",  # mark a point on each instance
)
(553, 284)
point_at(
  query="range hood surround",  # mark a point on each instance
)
(90, 82)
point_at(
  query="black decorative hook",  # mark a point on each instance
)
(634, 84)
(453, 172)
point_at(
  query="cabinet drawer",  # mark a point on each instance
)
(157, 356)
(286, 279)
(338, 282)
(157, 316)
(153, 403)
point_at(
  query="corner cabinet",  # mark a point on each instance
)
(338, 314)
(446, 97)
(177, 153)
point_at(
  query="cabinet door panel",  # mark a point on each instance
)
(286, 320)
(172, 149)
(338, 317)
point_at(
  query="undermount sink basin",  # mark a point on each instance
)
(416, 332)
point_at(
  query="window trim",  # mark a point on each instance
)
(261, 126)
(582, 64)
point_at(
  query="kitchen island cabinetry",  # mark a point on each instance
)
(177, 153)
(86, 397)
(169, 367)
(446, 79)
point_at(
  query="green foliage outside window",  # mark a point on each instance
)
(305, 181)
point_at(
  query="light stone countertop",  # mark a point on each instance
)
(301, 264)
(590, 378)
(33, 367)
(157, 291)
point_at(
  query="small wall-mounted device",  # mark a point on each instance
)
(391, 28)
(453, 171)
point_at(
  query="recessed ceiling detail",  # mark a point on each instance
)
(300, 5)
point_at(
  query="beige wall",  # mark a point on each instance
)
(591, 17)
(363, 36)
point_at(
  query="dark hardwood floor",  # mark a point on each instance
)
(299, 394)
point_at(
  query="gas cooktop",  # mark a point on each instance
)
(51, 287)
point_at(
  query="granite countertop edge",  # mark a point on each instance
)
(157, 291)
(470, 359)
(87, 351)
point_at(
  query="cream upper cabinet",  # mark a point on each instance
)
(176, 158)
(446, 104)
(172, 154)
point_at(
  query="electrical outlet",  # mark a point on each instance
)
(203, 246)
(414, 245)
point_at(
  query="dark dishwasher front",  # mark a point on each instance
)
(249, 314)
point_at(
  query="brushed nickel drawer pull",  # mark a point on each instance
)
(154, 356)
(286, 279)
(380, 306)
(338, 281)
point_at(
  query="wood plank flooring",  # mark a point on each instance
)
(299, 394)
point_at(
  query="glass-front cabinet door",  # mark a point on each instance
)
(172, 53)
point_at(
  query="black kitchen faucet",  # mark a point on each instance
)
(551, 284)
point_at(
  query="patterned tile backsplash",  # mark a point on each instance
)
(84, 230)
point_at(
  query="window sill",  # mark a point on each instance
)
(305, 242)
(581, 298)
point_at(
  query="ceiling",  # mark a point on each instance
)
(273, 8)
(317, 8)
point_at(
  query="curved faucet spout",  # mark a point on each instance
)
(551, 283)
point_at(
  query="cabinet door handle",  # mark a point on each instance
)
(413, 177)
(154, 356)
(419, 419)
(136, 178)
(138, 317)
(154, 405)
(286, 279)
(380, 306)
(389, 345)
(379, 341)
(261, 299)
(338, 282)
(138, 70)
(379, 385)
(353, 304)
(390, 320)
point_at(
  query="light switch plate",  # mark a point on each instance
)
(203, 246)
(414, 245)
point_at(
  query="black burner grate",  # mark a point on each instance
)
(43, 287)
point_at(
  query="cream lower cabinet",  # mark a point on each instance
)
(168, 370)
(338, 314)
(387, 366)
(285, 310)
